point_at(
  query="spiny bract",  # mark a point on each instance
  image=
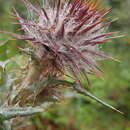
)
(68, 32)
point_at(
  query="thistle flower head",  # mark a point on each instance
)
(68, 33)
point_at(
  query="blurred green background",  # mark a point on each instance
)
(81, 113)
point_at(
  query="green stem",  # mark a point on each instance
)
(8, 113)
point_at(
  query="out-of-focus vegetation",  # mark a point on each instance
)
(80, 113)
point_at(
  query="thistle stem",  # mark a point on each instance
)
(8, 113)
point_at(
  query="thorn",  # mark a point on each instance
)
(86, 93)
